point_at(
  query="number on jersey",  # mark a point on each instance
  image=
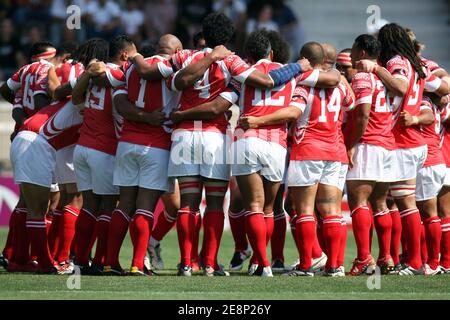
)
(334, 105)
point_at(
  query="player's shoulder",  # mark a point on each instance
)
(362, 80)
(396, 61)
(302, 91)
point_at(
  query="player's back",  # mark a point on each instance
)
(316, 134)
(432, 134)
(102, 124)
(150, 96)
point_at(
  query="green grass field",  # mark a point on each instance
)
(238, 286)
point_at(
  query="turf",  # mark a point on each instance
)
(238, 286)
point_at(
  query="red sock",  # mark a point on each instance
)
(237, 226)
(53, 233)
(372, 226)
(196, 238)
(8, 250)
(305, 229)
(67, 232)
(118, 228)
(341, 256)
(411, 224)
(185, 231)
(48, 223)
(102, 230)
(317, 249)
(396, 235)
(433, 234)
(269, 220)
(38, 238)
(423, 244)
(293, 222)
(140, 230)
(361, 222)
(383, 227)
(21, 241)
(445, 243)
(278, 237)
(319, 232)
(213, 229)
(163, 225)
(332, 234)
(255, 228)
(84, 228)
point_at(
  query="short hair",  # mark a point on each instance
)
(66, 48)
(94, 48)
(313, 51)
(257, 45)
(280, 47)
(119, 44)
(217, 29)
(197, 37)
(369, 44)
(40, 47)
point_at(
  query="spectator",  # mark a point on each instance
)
(58, 12)
(263, 20)
(190, 16)
(133, 19)
(34, 33)
(11, 57)
(103, 19)
(236, 10)
(160, 17)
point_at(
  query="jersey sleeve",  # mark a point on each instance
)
(166, 68)
(398, 68)
(238, 68)
(433, 66)
(308, 78)
(232, 91)
(40, 83)
(426, 104)
(299, 98)
(14, 83)
(115, 77)
(432, 83)
(363, 88)
(180, 58)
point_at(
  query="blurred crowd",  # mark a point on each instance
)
(24, 22)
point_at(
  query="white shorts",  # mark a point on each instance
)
(199, 153)
(65, 172)
(302, 173)
(408, 162)
(54, 187)
(94, 171)
(250, 155)
(143, 166)
(33, 159)
(372, 163)
(429, 182)
(342, 176)
(447, 177)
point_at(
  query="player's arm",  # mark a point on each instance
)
(278, 76)
(205, 111)
(79, 90)
(187, 76)
(132, 113)
(41, 100)
(362, 113)
(396, 85)
(424, 118)
(329, 79)
(7, 93)
(437, 86)
(288, 114)
(52, 82)
(19, 116)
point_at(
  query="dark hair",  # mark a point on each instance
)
(279, 46)
(196, 38)
(395, 41)
(217, 29)
(40, 47)
(65, 48)
(94, 48)
(369, 44)
(148, 50)
(257, 45)
(313, 51)
(118, 45)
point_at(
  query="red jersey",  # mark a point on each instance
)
(432, 134)
(316, 134)
(69, 72)
(58, 123)
(369, 89)
(400, 67)
(343, 158)
(29, 81)
(431, 65)
(102, 124)
(206, 89)
(445, 134)
(256, 102)
(150, 96)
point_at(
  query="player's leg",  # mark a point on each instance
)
(396, 236)
(279, 231)
(444, 214)
(341, 185)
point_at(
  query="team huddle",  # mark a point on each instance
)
(103, 133)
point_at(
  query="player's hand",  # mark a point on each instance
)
(407, 120)
(304, 64)
(220, 53)
(249, 122)
(365, 65)
(96, 68)
(156, 118)
(176, 116)
(350, 154)
(132, 56)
